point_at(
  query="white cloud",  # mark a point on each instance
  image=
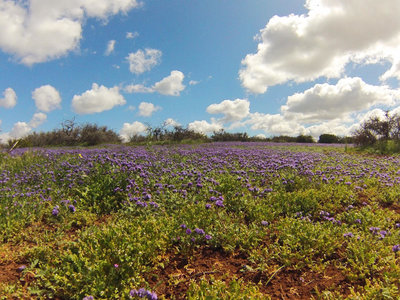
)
(171, 122)
(193, 82)
(19, 130)
(98, 99)
(274, 124)
(128, 130)
(37, 120)
(321, 43)
(137, 88)
(335, 127)
(171, 85)
(261, 136)
(110, 47)
(47, 98)
(204, 126)
(140, 62)
(325, 102)
(234, 110)
(10, 98)
(36, 31)
(146, 109)
(132, 35)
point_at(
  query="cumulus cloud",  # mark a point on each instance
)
(146, 109)
(98, 99)
(110, 47)
(10, 98)
(19, 130)
(321, 43)
(36, 31)
(274, 124)
(234, 110)
(171, 85)
(132, 35)
(138, 88)
(37, 120)
(335, 127)
(129, 130)
(325, 102)
(171, 122)
(47, 98)
(204, 126)
(142, 61)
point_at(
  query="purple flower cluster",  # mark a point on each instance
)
(348, 234)
(377, 231)
(197, 231)
(218, 201)
(55, 211)
(327, 217)
(143, 293)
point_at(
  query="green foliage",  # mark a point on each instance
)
(328, 139)
(70, 135)
(305, 209)
(212, 288)
(383, 136)
(107, 260)
(303, 243)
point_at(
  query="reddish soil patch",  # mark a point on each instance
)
(391, 206)
(204, 263)
(174, 278)
(296, 284)
(8, 272)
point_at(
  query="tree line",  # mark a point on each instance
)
(376, 133)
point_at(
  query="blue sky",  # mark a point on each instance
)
(265, 67)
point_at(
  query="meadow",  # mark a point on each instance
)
(209, 221)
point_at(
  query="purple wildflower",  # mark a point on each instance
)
(208, 206)
(383, 233)
(55, 211)
(183, 226)
(348, 234)
(188, 231)
(264, 223)
(358, 221)
(21, 268)
(88, 298)
(396, 248)
(208, 237)
(374, 230)
(71, 208)
(199, 231)
(154, 204)
(219, 203)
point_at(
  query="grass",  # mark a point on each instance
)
(212, 221)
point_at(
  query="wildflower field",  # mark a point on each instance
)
(212, 221)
